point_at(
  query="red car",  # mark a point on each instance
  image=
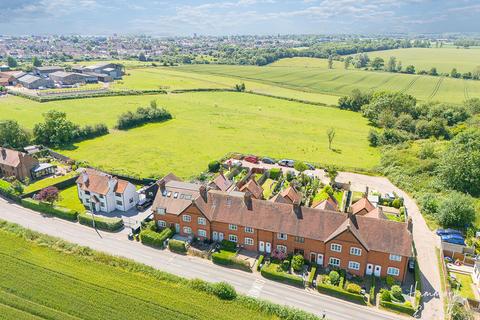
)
(252, 159)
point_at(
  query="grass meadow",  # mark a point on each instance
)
(444, 59)
(41, 283)
(311, 75)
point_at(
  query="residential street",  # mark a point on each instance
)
(425, 240)
(192, 267)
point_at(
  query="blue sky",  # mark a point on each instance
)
(225, 17)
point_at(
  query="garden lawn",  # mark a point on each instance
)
(38, 281)
(48, 181)
(268, 187)
(465, 289)
(206, 126)
(69, 199)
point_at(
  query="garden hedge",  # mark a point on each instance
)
(42, 207)
(228, 258)
(269, 271)
(260, 261)
(398, 307)
(340, 293)
(106, 224)
(311, 276)
(155, 239)
(177, 246)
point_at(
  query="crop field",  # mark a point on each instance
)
(312, 75)
(444, 59)
(40, 283)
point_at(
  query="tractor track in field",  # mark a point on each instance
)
(410, 85)
(382, 83)
(466, 92)
(350, 84)
(437, 87)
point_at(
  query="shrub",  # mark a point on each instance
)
(457, 210)
(155, 239)
(224, 291)
(275, 173)
(59, 212)
(228, 245)
(390, 281)
(340, 293)
(228, 258)
(311, 276)
(354, 288)
(141, 116)
(260, 261)
(385, 295)
(107, 224)
(285, 265)
(177, 246)
(372, 291)
(334, 277)
(396, 203)
(90, 132)
(396, 293)
(403, 308)
(270, 271)
(214, 166)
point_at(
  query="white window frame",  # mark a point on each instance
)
(335, 247)
(233, 238)
(232, 227)
(332, 259)
(249, 241)
(249, 230)
(353, 265)
(282, 248)
(282, 236)
(395, 257)
(202, 233)
(161, 211)
(187, 230)
(187, 218)
(161, 223)
(202, 221)
(354, 251)
(392, 271)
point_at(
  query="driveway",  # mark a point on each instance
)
(425, 240)
(192, 267)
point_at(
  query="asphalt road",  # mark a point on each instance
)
(191, 267)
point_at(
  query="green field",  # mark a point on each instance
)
(312, 76)
(42, 283)
(444, 59)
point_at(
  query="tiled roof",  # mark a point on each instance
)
(222, 182)
(254, 188)
(327, 204)
(98, 182)
(362, 204)
(10, 157)
(185, 194)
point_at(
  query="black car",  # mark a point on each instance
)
(144, 204)
(310, 166)
(268, 161)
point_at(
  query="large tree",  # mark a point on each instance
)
(391, 65)
(377, 63)
(12, 62)
(36, 62)
(457, 210)
(460, 163)
(13, 136)
(56, 130)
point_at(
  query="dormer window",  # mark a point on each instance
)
(161, 211)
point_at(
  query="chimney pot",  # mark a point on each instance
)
(203, 193)
(410, 224)
(247, 197)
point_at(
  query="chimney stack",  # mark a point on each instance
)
(4, 153)
(203, 193)
(410, 225)
(161, 184)
(84, 176)
(247, 197)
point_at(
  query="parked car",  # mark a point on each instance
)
(310, 166)
(268, 161)
(454, 239)
(144, 203)
(444, 232)
(411, 264)
(286, 163)
(236, 163)
(252, 159)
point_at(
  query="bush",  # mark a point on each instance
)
(224, 291)
(372, 291)
(270, 271)
(107, 224)
(177, 246)
(155, 239)
(311, 276)
(354, 288)
(141, 116)
(385, 295)
(403, 308)
(340, 293)
(59, 212)
(390, 281)
(334, 277)
(260, 261)
(214, 166)
(396, 293)
(457, 210)
(285, 265)
(275, 173)
(228, 245)
(228, 258)
(90, 132)
(297, 262)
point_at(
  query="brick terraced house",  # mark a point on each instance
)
(360, 244)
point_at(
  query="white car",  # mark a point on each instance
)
(236, 163)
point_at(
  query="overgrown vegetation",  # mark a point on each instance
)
(142, 116)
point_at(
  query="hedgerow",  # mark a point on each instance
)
(59, 212)
(102, 223)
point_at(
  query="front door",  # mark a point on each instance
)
(261, 246)
(377, 271)
(268, 247)
(220, 236)
(215, 236)
(177, 227)
(320, 259)
(369, 269)
(313, 257)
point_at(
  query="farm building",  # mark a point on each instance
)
(4, 68)
(45, 71)
(7, 80)
(15, 74)
(34, 82)
(113, 70)
(68, 78)
(99, 77)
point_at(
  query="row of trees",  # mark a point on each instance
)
(55, 131)
(142, 116)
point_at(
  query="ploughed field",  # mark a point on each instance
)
(40, 283)
(312, 75)
(206, 126)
